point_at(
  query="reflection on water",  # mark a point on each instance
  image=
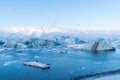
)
(64, 63)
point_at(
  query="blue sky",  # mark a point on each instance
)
(82, 14)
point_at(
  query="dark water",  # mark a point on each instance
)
(65, 64)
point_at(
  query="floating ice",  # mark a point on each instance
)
(37, 64)
(2, 50)
(5, 56)
(99, 46)
(36, 56)
(12, 44)
(76, 46)
(9, 63)
(97, 62)
(82, 67)
(18, 37)
(21, 54)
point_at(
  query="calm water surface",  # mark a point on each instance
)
(64, 64)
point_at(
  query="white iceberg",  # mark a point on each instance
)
(12, 44)
(37, 64)
(99, 46)
(76, 46)
(20, 45)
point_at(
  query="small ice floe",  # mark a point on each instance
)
(82, 67)
(9, 63)
(97, 62)
(71, 71)
(37, 65)
(21, 54)
(2, 50)
(5, 56)
(36, 56)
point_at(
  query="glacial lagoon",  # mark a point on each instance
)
(64, 63)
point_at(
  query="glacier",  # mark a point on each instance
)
(31, 37)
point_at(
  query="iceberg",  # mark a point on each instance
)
(99, 46)
(37, 65)
(78, 41)
(36, 42)
(12, 44)
(20, 45)
(76, 46)
(17, 37)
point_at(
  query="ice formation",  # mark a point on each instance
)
(31, 37)
(9, 62)
(37, 64)
(12, 44)
(99, 46)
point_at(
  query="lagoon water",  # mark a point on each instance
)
(64, 63)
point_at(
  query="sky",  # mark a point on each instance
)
(78, 14)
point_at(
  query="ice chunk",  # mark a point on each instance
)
(36, 56)
(99, 46)
(76, 46)
(9, 62)
(37, 64)
(5, 56)
(2, 50)
(78, 41)
(12, 44)
(20, 45)
(97, 63)
(22, 54)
